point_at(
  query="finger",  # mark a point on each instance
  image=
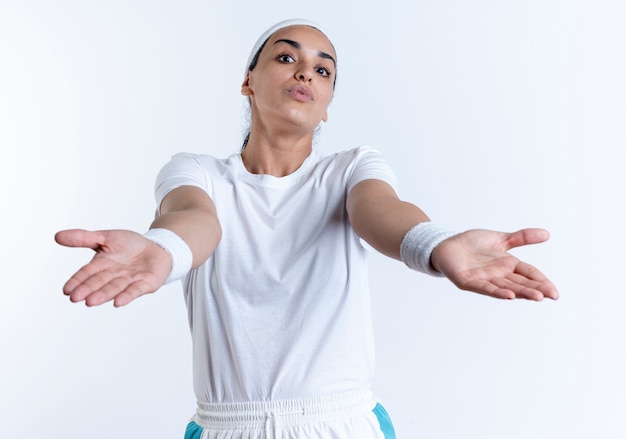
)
(522, 281)
(521, 287)
(547, 288)
(107, 292)
(488, 288)
(526, 237)
(86, 273)
(91, 286)
(133, 291)
(94, 279)
(79, 238)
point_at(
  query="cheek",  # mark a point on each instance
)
(327, 97)
(264, 83)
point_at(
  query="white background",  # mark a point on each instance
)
(494, 114)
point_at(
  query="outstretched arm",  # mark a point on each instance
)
(127, 265)
(379, 217)
(476, 260)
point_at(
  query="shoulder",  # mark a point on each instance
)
(367, 163)
(363, 155)
(350, 157)
(190, 157)
(354, 153)
(189, 169)
(194, 163)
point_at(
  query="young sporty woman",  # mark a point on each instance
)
(269, 244)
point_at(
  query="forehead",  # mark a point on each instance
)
(307, 36)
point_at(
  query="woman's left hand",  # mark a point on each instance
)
(478, 261)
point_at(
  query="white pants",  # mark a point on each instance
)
(343, 416)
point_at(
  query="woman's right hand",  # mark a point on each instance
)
(126, 266)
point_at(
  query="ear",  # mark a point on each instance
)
(245, 86)
(325, 117)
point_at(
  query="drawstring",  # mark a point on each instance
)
(272, 419)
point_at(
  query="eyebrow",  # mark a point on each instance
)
(297, 45)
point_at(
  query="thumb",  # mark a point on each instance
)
(527, 237)
(79, 238)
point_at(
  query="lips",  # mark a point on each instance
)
(300, 93)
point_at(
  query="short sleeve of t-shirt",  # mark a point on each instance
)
(184, 169)
(370, 165)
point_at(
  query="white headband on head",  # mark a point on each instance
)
(272, 30)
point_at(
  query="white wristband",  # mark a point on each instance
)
(418, 245)
(176, 247)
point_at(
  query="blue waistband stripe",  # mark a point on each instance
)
(385, 422)
(194, 431)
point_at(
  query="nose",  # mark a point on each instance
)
(303, 73)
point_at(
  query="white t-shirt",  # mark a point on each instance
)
(281, 309)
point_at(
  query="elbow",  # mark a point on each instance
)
(211, 237)
(218, 232)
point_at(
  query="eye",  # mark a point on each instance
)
(284, 58)
(322, 71)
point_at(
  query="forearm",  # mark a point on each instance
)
(394, 220)
(190, 213)
(380, 218)
(199, 229)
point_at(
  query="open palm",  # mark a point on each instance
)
(478, 261)
(126, 266)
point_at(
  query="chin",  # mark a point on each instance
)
(303, 123)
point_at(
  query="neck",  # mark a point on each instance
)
(277, 155)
